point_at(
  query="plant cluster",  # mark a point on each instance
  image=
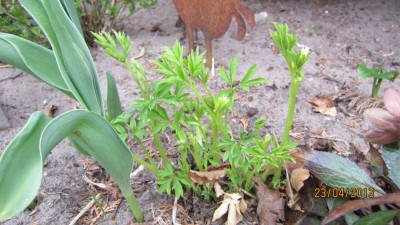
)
(15, 20)
(103, 15)
(199, 119)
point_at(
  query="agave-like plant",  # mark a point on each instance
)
(68, 67)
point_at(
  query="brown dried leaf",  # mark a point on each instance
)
(245, 123)
(235, 205)
(271, 206)
(324, 105)
(297, 178)
(50, 110)
(209, 177)
(359, 204)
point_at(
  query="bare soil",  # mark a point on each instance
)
(340, 33)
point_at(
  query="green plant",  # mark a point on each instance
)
(103, 15)
(377, 74)
(182, 102)
(15, 20)
(68, 67)
(295, 61)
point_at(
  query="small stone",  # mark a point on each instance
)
(4, 124)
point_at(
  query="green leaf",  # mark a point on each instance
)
(33, 59)
(249, 73)
(224, 76)
(391, 156)
(113, 103)
(378, 218)
(21, 164)
(365, 72)
(73, 15)
(339, 172)
(72, 54)
(89, 130)
(233, 64)
(20, 168)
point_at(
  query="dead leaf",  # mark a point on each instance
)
(324, 105)
(271, 206)
(297, 178)
(140, 54)
(234, 205)
(245, 123)
(50, 110)
(354, 205)
(218, 189)
(299, 160)
(209, 177)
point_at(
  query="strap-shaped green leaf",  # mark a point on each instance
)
(113, 103)
(90, 129)
(72, 54)
(33, 59)
(20, 168)
(21, 164)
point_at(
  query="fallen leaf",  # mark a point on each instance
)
(336, 171)
(218, 189)
(323, 105)
(234, 205)
(245, 123)
(209, 177)
(140, 54)
(297, 178)
(359, 204)
(271, 206)
(50, 110)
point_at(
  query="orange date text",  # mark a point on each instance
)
(344, 192)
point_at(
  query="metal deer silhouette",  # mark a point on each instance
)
(213, 18)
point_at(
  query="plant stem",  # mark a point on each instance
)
(133, 204)
(159, 145)
(291, 110)
(376, 87)
(145, 164)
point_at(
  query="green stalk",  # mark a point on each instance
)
(151, 160)
(159, 145)
(133, 204)
(294, 87)
(135, 78)
(376, 87)
(145, 164)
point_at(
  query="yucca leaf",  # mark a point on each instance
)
(21, 164)
(20, 168)
(72, 54)
(33, 59)
(113, 103)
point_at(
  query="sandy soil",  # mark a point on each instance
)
(340, 33)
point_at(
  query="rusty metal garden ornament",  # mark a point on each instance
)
(213, 18)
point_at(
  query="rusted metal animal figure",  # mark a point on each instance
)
(213, 18)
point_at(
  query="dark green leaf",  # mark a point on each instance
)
(391, 156)
(339, 172)
(113, 103)
(378, 218)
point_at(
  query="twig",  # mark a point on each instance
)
(137, 171)
(84, 210)
(12, 77)
(174, 209)
(6, 66)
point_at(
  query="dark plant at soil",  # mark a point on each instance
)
(103, 15)
(15, 20)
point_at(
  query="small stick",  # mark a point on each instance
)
(84, 210)
(174, 209)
